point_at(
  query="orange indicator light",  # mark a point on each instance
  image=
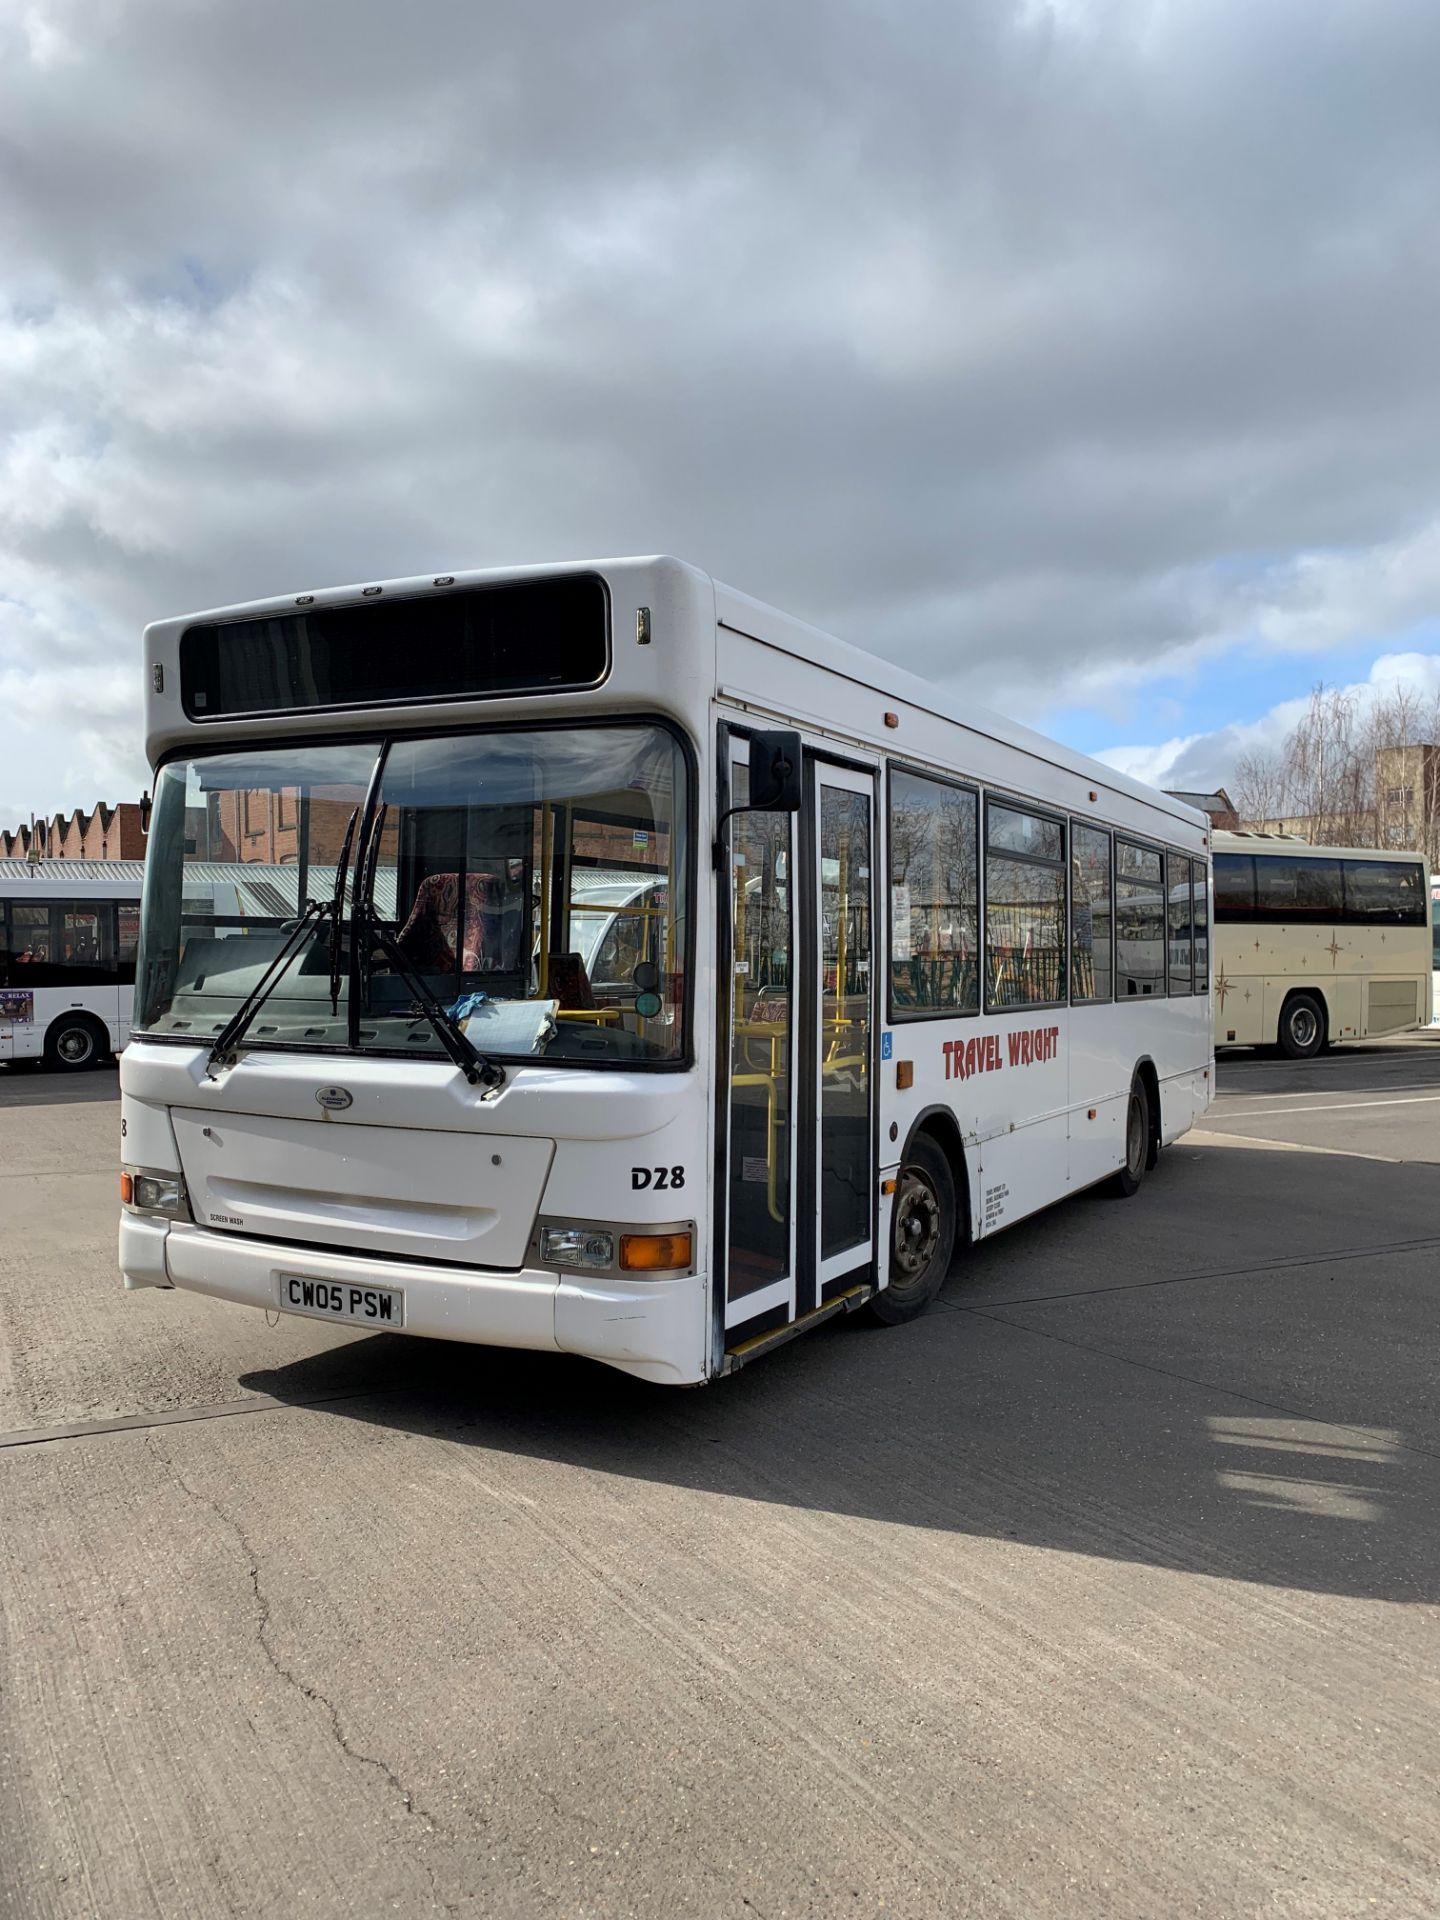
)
(654, 1252)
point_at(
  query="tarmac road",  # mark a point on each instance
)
(1109, 1587)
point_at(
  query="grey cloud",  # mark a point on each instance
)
(981, 334)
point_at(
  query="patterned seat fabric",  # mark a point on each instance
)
(429, 937)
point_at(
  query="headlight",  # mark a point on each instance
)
(577, 1247)
(145, 1192)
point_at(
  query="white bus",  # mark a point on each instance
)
(660, 976)
(67, 958)
(1316, 944)
(1435, 949)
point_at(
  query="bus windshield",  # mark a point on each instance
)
(534, 880)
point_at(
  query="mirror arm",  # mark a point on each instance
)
(719, 843)
(717, 850)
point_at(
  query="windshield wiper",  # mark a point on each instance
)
(234, 1030)
(452, 1036)
(367, 930)
(311, 916)
(337, 912)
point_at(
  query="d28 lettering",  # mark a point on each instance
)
(661, 1179)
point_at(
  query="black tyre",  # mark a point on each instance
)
(922, 1235)
(1137, 1143)
(1302, 1027)
(74, 1042)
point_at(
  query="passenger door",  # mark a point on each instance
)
(837, 1014)
(760, 1238)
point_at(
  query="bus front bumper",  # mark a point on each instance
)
(654, 1329)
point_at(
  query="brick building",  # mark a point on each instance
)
(265, 827)
(1219, 806)
(104, 833)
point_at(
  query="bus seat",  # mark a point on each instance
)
(569, 983)
(427, 938)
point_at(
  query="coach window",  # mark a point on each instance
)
(1200, 910)
(1298, 887)
(1091, 918)
(1234, 886)
(1025, 942)
(1139, 921)
(1178, 910)
(934, 897)
(1384, 893)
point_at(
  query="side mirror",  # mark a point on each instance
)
(775, 773)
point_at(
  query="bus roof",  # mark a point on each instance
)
(772, 628)
(753, 618)
(90, 878)
(1291, 844)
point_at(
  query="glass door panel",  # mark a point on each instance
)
(761, 1262)
(843, 1019)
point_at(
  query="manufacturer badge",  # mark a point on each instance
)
(333, 1099)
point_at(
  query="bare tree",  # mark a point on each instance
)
(1260, 790)
(1351, 775)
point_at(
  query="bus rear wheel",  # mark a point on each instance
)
(1137, 1143)
(922, 1235)
(1302, 1027)
(75, 1042)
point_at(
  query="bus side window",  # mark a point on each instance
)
(1091, 977)
(1139, 920)
(128, 916)
(86, 951)
(1201, 906)
(934, 895)
(1026, 945)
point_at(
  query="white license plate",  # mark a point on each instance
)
(340, 1300)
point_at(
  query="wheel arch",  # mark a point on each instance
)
(940, 1124)
(79, 1017)
(1146, 1071)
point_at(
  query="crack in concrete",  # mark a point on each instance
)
(413, 1807)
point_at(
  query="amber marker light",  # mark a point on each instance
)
(127, 1189)
(904, 1074)
(654, 1252)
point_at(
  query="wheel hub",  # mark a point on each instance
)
(917, 1226)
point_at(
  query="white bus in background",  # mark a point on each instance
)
(660, 976)
(67, 958)
(1317, 944)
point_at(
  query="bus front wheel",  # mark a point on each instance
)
(1137, 1142)
(74, 1042)
(1302, 1027)
(922, 1234)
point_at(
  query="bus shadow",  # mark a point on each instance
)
(28, 1083)
(1208, 1426)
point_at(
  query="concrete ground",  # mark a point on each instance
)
(1108, 1588)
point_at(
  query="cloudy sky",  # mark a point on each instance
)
(1081, 354)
